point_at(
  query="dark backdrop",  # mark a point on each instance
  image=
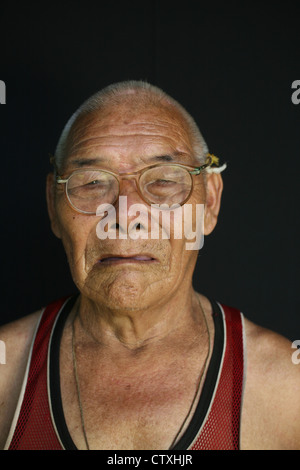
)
(230, 64)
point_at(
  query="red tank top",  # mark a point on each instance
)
(39, 422)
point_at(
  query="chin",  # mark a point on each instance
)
(126, 296)
(125, 291)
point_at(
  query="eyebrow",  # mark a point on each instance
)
(162, 158)
(83, 162)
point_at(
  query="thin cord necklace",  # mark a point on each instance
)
(199, 380)
(192, 404)
(77, 383)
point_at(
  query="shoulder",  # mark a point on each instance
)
(272, 390)
(17, 338)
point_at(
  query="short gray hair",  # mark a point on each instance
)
(113, 94)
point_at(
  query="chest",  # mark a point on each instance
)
(133, 408)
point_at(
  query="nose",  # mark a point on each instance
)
(129, 188)
(131, 210)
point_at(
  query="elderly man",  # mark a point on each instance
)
(139, 360)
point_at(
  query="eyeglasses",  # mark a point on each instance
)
(157, 184)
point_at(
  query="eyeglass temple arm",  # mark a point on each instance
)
(209, 161)
(53, 162)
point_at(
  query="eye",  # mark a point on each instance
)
(163, 182)
(94, 182)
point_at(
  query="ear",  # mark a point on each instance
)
(214, 188)
(50, 195)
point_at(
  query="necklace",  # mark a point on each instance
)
(198, 388)
(77, 383)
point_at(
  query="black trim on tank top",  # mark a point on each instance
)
(209, 384)
(54, 377)
(205, 397)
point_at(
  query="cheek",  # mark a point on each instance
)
(181, 259)
(78, 235)
(199, 191)
(195, 214)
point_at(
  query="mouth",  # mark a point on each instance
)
(122, 259)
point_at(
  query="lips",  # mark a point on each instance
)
(137, 258)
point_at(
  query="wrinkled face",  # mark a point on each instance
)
(125, 273)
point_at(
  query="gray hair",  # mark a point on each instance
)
(113, 94)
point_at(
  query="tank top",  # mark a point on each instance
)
(39, 422)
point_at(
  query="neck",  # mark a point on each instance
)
(134, 329)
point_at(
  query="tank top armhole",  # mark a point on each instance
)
(24, 385)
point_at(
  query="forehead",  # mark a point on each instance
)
(130, 130)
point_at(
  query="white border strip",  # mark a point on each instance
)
(244, 373)
(217, 381)
(23, 388)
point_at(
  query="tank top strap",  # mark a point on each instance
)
(32, 427)
(221, 428)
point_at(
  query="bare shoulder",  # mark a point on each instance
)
(16, 337)
(271, 404)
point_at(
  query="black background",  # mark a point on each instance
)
(230, 64)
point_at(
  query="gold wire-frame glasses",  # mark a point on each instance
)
(83, 196)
